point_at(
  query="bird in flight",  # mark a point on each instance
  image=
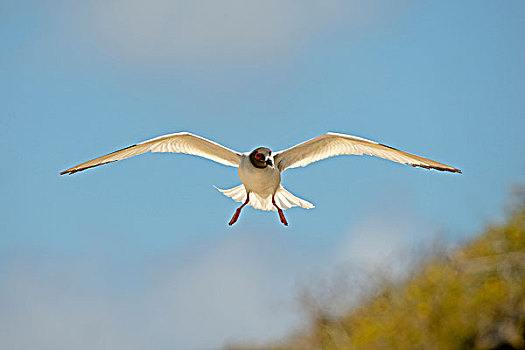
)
(260, 170)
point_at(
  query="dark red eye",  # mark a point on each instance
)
(258, 155)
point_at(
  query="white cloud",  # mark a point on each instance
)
(240, 289)
(384, 246)
(208, 31)
(383, 240)
(228, 293)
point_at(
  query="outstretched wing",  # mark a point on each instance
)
(333, 144)
(182, 142)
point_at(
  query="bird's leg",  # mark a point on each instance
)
(281, 214)
(238, 211)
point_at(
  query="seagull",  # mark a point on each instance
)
(260, 170)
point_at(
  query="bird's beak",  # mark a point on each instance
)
(269, 162)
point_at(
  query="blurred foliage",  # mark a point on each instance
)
(473, 298)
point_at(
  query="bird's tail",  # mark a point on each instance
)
(283, 199)
(238, 193)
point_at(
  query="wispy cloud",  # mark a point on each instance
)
(385, 238)
(207, 31)
(198, 301)
(384, 246)
(240, 289)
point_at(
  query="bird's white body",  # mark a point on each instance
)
(263, 182)
(260, 171)
(264, 186)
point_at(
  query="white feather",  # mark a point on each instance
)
(334, 144)
(182, 142)
(283, 199)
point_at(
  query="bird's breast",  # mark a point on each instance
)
(263, 181)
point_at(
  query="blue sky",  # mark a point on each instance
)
(139, 252)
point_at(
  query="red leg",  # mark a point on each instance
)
(281, 214)
(238, 211)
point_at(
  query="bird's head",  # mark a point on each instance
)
(261, 157)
